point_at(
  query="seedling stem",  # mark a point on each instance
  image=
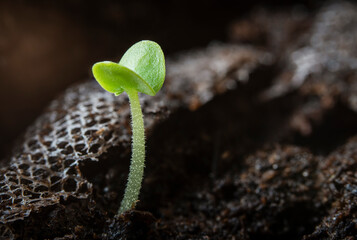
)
(138, 154)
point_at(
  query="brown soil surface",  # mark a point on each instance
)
(252, 140)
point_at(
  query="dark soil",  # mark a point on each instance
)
(242, 143)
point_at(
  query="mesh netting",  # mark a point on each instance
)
(46, 166)
(86, 121)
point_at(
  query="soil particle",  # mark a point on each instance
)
(339, 191)
(68, 220)
(243, 203)
(131, 225)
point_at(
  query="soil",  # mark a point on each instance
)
(252, 140)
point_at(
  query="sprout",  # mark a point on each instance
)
(141, 69)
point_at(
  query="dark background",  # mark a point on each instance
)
(47, 45)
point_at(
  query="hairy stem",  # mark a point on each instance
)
(138, 154)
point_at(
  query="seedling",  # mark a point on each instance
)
(141, 69)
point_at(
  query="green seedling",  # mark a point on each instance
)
(141, 69)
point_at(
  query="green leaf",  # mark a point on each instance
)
(141, 68)
(147, 60)
(116, 78)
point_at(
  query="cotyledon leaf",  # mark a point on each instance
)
(141, 68)
(147, 60)
(116, 78)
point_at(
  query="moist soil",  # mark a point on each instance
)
(249, 163)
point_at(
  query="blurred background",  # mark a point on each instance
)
(45, 46)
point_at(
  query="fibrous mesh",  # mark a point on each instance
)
(86, 121)
(46, 166)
